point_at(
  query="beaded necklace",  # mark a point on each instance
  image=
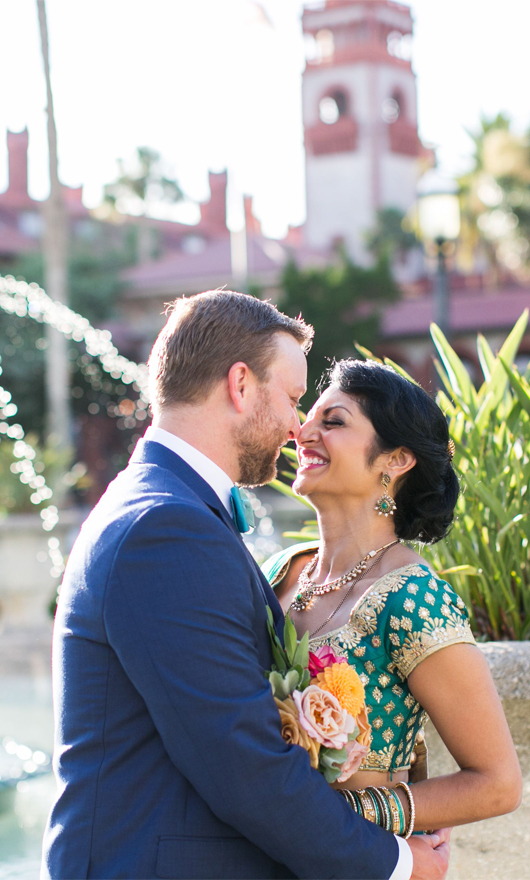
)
(308, 590)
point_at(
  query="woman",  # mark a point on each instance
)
(375, 463)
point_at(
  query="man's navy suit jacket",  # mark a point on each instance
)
(169, 752)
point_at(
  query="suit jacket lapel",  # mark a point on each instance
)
(149, 452)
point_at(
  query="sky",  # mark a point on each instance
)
(213, 84)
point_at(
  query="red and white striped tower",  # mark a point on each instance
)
(360, 118)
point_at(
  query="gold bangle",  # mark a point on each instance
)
(396, 820)
(367, 805)
(384, 808)
(412, 808)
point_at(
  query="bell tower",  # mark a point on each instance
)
(360, 118)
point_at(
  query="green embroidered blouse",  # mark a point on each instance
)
(404, 617)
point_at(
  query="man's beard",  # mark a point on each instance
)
(258, 442)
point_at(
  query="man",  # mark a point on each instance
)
(169, 753)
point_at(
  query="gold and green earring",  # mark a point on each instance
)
(385, 505)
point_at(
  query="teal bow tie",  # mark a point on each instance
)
(241, 509)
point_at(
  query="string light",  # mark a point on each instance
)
(29, 300)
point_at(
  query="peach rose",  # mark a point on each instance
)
(356, 753)
(322, 716)
(293, 732)
(365, 730)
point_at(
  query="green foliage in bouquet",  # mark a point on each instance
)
(486, 556)
(289, 671)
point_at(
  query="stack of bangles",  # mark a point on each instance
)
(383, 807)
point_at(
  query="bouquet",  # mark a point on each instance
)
(321, 702)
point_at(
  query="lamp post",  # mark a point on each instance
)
(439, 221)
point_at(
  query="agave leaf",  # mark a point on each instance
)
(513, 522)
(485, 356)
(499, 379)
(286, 490)
(456, 371)
(390, 363)
(289, 453)
(469, 570)
(367, 354)
(519, 384)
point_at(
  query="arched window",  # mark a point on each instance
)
(392, 108)
(333, 106)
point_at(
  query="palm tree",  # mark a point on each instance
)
(55, 243)
(142, 187)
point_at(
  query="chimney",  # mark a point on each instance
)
(17, 149)
(213, 212)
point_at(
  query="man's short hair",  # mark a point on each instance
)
(206, 334)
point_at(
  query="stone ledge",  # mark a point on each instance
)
(509, 663)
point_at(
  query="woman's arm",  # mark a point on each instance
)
(455, 687)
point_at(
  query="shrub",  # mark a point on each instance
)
(486, 556)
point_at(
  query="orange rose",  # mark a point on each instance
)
(293, 732)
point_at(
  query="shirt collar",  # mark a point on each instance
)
(204, 466)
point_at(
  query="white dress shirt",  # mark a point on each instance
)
(222, 484)
(201, 464)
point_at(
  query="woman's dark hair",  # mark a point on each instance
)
(403, 414)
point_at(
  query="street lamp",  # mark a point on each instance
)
(439, 222)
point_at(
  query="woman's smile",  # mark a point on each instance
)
(309, 460)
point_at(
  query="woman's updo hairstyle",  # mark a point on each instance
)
(403, 414)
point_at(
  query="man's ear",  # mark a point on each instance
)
(399, 462)
(240, 384)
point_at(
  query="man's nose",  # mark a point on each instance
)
(295, 427)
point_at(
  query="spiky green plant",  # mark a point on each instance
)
(486, 555)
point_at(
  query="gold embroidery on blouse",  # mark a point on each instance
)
(377, 695)
(409, 605)
(398, 719)
(380, 760)
(397, 690)
(388, 735)
(377, 722)
(384, 680)
(376, 642)
(389, 707)
(369, 666)
(406, 623)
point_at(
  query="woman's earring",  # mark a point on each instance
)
(385, 505)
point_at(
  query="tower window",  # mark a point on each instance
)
(333, 106)
(390, 110)
(325, 44)
(399, 45)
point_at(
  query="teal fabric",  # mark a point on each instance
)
(404, 617)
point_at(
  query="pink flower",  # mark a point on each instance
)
(322, 657)
(322, 716)
(356, 753)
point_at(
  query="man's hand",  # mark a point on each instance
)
(430, 853)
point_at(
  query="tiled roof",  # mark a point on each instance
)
(472, 311)
(266, 257)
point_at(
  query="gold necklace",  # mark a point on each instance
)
(308, 590)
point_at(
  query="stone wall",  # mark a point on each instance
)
(496, 848)
(26, 586)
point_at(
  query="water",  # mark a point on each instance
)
(26, 715)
